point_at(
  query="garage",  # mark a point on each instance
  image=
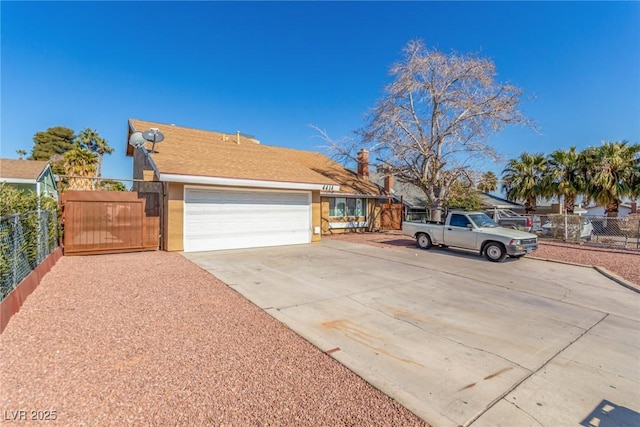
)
(217, 218)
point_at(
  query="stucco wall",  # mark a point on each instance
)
(174, 209)
(316, 215)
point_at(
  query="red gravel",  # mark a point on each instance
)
(624, 263)
(151, 339)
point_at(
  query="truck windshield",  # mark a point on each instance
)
(482, 220)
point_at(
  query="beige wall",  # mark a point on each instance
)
(174, 226)
(555, 208)
(316, 215)
(325, 215)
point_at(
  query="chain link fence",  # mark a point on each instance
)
(620, 232)
(25, 241)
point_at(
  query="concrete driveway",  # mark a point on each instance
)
(456, 339)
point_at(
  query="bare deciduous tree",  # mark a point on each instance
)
(435, 119)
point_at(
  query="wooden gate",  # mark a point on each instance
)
(103, 222)
(391, 215)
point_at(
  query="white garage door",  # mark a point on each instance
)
(217, 219)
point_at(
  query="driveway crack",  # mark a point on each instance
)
(520, 409)
(526, 377)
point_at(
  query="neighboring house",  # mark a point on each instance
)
(490, 201)
(414, 199)
(29, 175)
(623, 210)
(227, 191)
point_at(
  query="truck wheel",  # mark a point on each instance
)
(424, 241)
(495, 252)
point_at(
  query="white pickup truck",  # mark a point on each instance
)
(475, 231)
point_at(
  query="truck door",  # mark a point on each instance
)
(457, 233)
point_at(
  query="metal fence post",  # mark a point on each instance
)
(14, 251)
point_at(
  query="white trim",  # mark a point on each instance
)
(18, 180)
(47, 167)
(349, 224)
(233, 182)
(351, 195)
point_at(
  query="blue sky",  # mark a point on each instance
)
(272, 68)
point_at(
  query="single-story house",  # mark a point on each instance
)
(623, 210)
(414, 199)
(227, 191)
(29, 175)
(491, 201)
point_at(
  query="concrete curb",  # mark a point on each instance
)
(627, 284)
(608, 274)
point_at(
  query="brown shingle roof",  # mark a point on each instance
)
(21, 169)
(187, 151)
(346, 178)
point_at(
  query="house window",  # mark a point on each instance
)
(347, 207)
(337, 206)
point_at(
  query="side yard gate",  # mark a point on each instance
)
(391, 215)
(103, 222)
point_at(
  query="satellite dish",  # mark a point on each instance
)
(137, 140)
(153, 135)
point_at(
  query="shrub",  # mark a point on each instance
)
(574, 226)
(26, 235)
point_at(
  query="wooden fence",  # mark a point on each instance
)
(391, 215)
(101, 222)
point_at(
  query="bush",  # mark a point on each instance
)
(26, 235)
(574, 227)
(14, 201)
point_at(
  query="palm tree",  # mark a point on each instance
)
(565, 176)
(488, 182)
(522, 179)
(92, 141)
(21, 153)
(612, 173)
(80, 166)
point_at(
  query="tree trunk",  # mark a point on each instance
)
(612, 209)
(530, 205)
(569, 201)
(435, 213)
(99, 171)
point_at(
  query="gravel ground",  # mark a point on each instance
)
(624, 263)
(151, 339)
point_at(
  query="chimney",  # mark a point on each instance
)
(388, 184)
(363, 164)
(634, 207)
(238, 137)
